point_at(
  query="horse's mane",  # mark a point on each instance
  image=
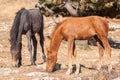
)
(55, 29)
(15, 27)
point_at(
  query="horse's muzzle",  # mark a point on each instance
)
(49, 70)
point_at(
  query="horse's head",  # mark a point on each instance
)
(51, 61)
(15, 50)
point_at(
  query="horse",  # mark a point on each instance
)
(26, 22)
(79, 28)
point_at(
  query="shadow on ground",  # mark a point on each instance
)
(113, 44)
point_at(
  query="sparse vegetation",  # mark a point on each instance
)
(87, 58)
(108, 8)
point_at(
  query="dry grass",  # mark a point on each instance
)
(8, 8)
(87, 58)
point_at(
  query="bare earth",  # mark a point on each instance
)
(87, 58)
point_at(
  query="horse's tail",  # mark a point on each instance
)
(15, 27)
(113, 24)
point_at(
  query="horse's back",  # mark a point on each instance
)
(31, 19)
(86, 22)
(36, 19)
(83, 27)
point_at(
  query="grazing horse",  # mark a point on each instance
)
(26, 22)
(73, 29)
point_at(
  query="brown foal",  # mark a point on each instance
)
(82, 28)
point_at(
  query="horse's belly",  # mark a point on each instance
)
(84, 35)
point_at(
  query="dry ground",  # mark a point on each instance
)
(87, 58)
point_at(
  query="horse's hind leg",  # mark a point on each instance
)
(28, 34)
(42, 45)
(101, 51)
(107, 51)
(35, 48)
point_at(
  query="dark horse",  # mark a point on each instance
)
(73, 29)
(26, 22)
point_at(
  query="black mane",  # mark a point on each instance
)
(15, 27)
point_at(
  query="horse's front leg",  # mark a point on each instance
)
(76, 60)
(28, 34)
(35, 48)
(19, 55)
(70, 53)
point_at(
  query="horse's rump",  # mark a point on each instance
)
(36, 20)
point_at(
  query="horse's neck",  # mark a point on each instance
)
(55, 42)
(13, 36)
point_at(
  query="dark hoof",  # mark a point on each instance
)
(44, 58)
(44, 61)
(16, 65)
(33, 63)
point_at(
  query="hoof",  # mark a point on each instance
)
(16, 65)
(77, 71)
(42, 62)
(68, 72)
(110, 68)
(44, 58)
(48, 70)
(33, 63)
